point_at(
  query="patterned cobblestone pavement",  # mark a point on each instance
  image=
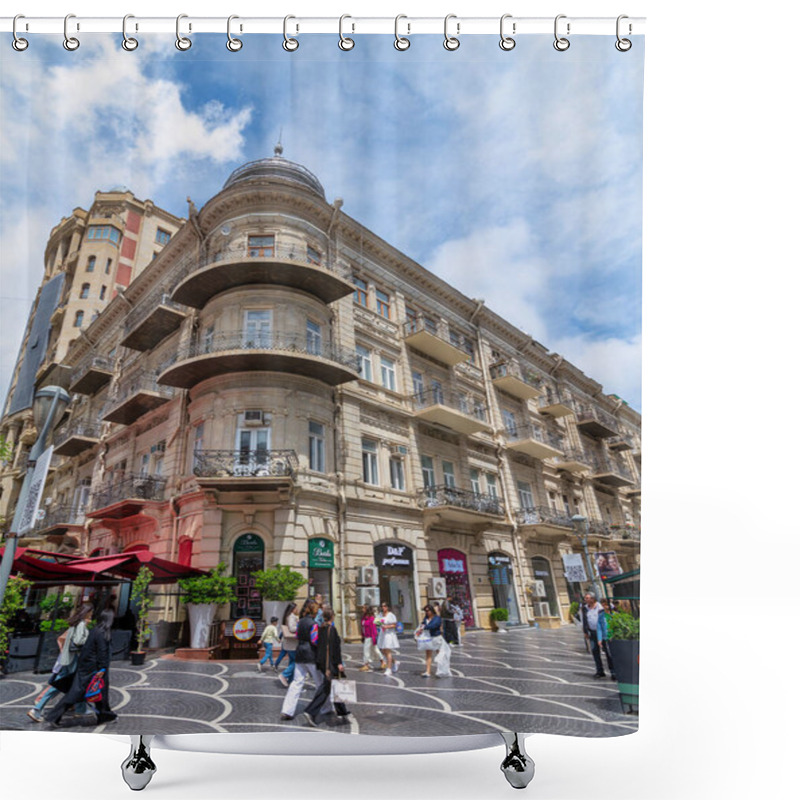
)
(529, 680)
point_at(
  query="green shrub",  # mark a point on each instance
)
(141, 597)
(573, 609)
(57, 626)
(623, 626)
(13, 601)
(278, 583)
(212, 588)
(499, 615)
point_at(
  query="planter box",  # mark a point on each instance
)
(551, 623)
(625, 653)
(201, 617)
(22, 652)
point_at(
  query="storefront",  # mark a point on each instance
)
(248, 557)
(453, 568)
(501, 576)
(320, 568)
(546, 606)
(395, 564)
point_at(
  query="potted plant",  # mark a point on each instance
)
(13, 602)
(202, 595)
(140, 596)
(623, 641)
(498, 618)
(574, 607)
(278, 586)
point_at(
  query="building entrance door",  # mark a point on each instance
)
(501, 578)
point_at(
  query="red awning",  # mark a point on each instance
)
(127, 565)
(42, 565)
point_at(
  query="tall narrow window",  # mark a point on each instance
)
(418, 384)
(78, 321)
(509, 422)
(369, 461)
(102, 292)
(437, 395)
(208, 339)
(449, 474)
(525, 494)
(388, 374)
(84, 291)
(428, 475)
(491, 485)
(313, 256)
(261, 246)
(475, 481)
(257, 328)
(365, 362)
(313, 338)
(90, 263)
(199, 432)
(360, 294)
(382, 303)
(316, 446)
(397, 473)
(108, 266)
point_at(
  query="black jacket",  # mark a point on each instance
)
(329, 650)
(306, 652)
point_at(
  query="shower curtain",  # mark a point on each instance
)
(342, 350)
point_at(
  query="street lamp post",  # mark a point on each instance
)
(58, 401)
(576, 520)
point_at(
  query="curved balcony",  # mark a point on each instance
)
(136, 397)
(246, 470)
(198, 280)
(449, 504)
(533, 441)
(151, 322)
(511, 379)
(242, 352)
(76, 438)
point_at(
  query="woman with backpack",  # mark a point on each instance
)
(330, 666)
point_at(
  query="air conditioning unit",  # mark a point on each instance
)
(437, 588)
(253, 418)
(368, 596)
(367, 576)
(541, 609)
(398, 450)
(537, 589)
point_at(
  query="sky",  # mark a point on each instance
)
(515, 176)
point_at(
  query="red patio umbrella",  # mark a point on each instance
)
(42, 565)
(127, 565)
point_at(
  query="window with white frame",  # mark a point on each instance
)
(525, 494)
(449, 474)
(419, 385)
(257, 327)
(397, 473)
(382, 303)
(428, 475)
(316, 446)
(144, 464)
(509, 421)
(369, 461)
(388, 380)
(313, 338)
(491, 485)
(475, 481)
(364, 361)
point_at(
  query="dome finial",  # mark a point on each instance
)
(279, 146)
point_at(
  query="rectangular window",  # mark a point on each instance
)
(158, 465)
(388, 374)
(455, 339)
(162, 236)
(463, 403)
(257, 328)
(437, 394)
(419, 384)
(90, 264)
(525, 494)
(369, 461)
(428, 475)
(449, 474)
(199, 431)
(103, 233)
(102, 292)
(144, 466)
(261, 246)
(360, 294)
(475, 481)
(469, 348)
(365, 362)
(397, 474)
(78, 321)
(108, 266)
(509, 422)
(84, 291)
(382, 303)
(208, 339)
(313, 338)
(313, 256)
(491, 485)
(316, 446)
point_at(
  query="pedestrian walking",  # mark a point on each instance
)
(288, 643)
(95, 655)
(458, 618)
(305, 663)
(387, 639)
(429, 637)
(595, 630)
(269, 638)
(330, 666)
(448, 620)
(369, 639)
(70, 643)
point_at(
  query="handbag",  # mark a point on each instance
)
(96, 687)
(343, 691)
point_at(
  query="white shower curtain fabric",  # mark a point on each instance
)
(354, 328)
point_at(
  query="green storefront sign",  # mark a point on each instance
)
(320, 554)
(249, 543)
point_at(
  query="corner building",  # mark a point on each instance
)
(286, 387)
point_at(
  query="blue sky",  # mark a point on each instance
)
(514, 175)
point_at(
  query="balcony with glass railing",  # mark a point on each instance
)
(136, 396)
(151, 321)
(432, 339)
(555, 403)
(197, 280)
(91, 375)
(238, 351)
(126, 496)
(58, 519)
(76, 437)
(597, 423)
(246, 470)
(611, 473)
(515, 381)
(573, 460)
(544, 521)
(533, 441)
(455, 411)
(449, 504)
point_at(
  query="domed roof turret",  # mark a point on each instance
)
(276, 167)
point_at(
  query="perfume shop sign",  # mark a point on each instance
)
(394, 555)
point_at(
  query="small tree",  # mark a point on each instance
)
(278, 583)
(140, 595)
(212, 588)
(13, 602)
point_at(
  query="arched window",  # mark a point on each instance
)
(248, 557)
(78, 319)
(84, 291)
(90, 263)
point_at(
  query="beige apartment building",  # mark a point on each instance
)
(280, 385)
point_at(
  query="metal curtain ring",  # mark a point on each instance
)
(19, 44)
(623, 45)
(233, 44)
(451, 42)
(561, 43)
(289, 44)
(128, 42)
(70, 42)
(181, 42)
(400, 42)
(345, 43)
(506, 42)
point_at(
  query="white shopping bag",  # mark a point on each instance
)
(442, 661)
(343, 691)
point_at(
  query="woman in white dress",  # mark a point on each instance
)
(387, 639)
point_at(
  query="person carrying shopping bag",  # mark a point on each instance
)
(288, 643)
(330, 666)
(429, 637)
(305, 662)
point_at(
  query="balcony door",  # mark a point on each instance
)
(257, 331)
(252, 450)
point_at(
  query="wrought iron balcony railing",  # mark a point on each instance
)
(60, 515)
(611, 467)
(87, 430)
(515, 433)
(129, 487)
(458, 402)
(597, 421)
(444, 495)
(538, 515)
(278, 342)
(88, 364)
(143, 381)
(245, 463)
(507, 369)
(145, 308)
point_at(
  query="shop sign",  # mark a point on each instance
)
(249, 543)
(244, 629)
(394, 555)
(320, 554)
(451, 562)
(499, 560)
(607, 565)
(573, 568)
